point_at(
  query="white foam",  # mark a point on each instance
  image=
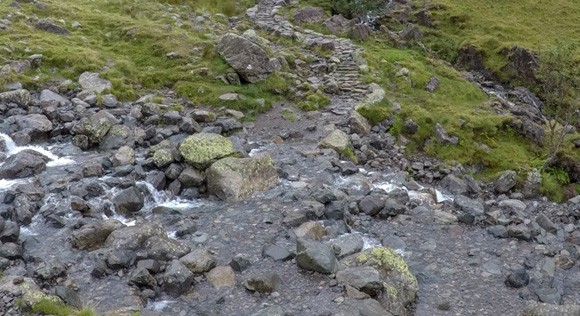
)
(387, 186)
(6, 184)
(12, 149)
(370, 243)
(440, 197)
(159, 306)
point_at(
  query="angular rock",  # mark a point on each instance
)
(315, 256)
(142, 277)
(235, 178)
(309, 15)
(277, 253)
(96, 126)
(454, 185)
(544, 222)
(20, 97)
(35, 125)
(202, 149)
(123, 157)
(134, 237)
(49, 26)
(247, 58)
(346, 245)
(365, 279)
(506, 181)
(473, 209)
(198, 261)
(310, 230)
(371, 205)
(518, 279)
(512, 205)
(165, 249)
(24, 164)
(433, 84)
(49, 96)
(92, 82)
(263, 282)
(222, 276)
(443, 137)
(532, 184)
(240, 262)
(93, 235)
(339, 141)
(177, 279)
(359, 124)
(129, 201)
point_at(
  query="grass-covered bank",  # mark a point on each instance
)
(140, 46)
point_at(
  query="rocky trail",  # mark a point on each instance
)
(136, 208)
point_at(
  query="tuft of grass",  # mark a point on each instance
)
(314, 101)
(49, 307)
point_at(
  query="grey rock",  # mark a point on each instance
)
(92, 82)
(263, 282)
(141, 277)
(546, 223)
(134, 237)
(69, 296)
(454, 185)
(366, 307)
(93, 235)
(532, 184)
(11, 251)
(443, 137)
(50, 269)
(120, 259)
(518, 279)
(35, 125)
(234, 178)
(177, 279)
(129, 201)
(498, 231)
(199, 260)
(365, 279)
(20, 97)
(472, 208)
(49, 26)
(433, 84)
(309, 15)
(346, 245)
(24, 164)
(512, 205)
(315, 256)
(49, 96)
(240, 262)
(277, 253)
(371, 205)
(248, 59)
(520, 231)
(165, 249)
(506, 181)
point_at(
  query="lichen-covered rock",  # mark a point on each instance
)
(91, 81)
(400, 286)
(95, 127)
(506, 181)
(20, 97)
(202, 149)
(34, 125)
(377, 95)
(359, 124)
(234, 178)
(28, 291)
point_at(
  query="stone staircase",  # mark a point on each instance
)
(345, 74)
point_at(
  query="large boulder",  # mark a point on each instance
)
(177, 279)
(93, 235)
(309, 15)
(92, 82)
(399, 286)
(506, 181)
(234, 178)
(129, 201)
(96, 127)
(522, 64)
(34, 125)
(248, 59)
(50, 97)
(24, 164)
(315, 256)
(339, 141)
(20, 97)
(134, 237)
(202, 149)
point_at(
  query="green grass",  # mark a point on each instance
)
(494, 25)
(49, 307)
(127, 41)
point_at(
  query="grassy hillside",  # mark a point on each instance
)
(488, 145)
(129, 41)
(494, 25)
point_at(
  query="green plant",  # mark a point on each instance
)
(49, 307)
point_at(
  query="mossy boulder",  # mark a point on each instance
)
(21, 97)
(234, 178)
(202, 149)
(376, 96)
(399, 285)
(339, 141)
